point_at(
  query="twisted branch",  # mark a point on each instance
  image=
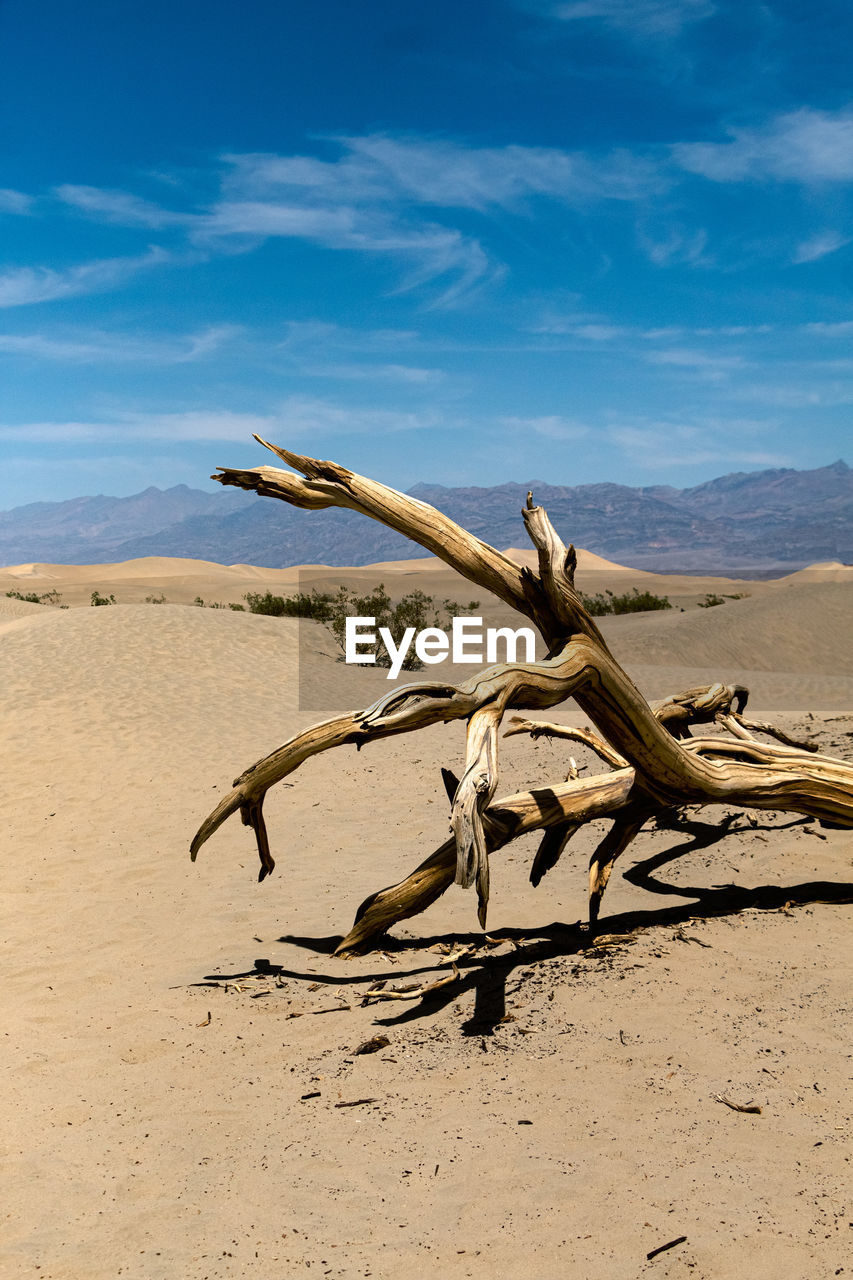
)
(657, 763)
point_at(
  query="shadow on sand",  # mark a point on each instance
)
(488, 975)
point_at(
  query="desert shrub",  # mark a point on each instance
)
(161, 599)
(98, 599)
(416, 610)
(217, 604)
(316, 605)
(630, 602)
(33, 597)
(713, 599)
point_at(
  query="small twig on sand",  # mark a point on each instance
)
(749, 1107)
(662, 1248)
(605, 941)
(688, 937)
(373, 1045)
(413, 993)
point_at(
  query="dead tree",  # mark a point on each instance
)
(655, 763)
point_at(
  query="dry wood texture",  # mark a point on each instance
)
(655, 762)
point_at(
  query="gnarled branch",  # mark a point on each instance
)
(657, 763)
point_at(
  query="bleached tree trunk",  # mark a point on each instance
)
(655, 763)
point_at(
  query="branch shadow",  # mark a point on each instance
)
(490, 976)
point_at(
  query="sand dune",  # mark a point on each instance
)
(182, 580)
(822, 571)
(555, 1116)
(806, 628)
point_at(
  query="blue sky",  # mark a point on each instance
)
(469, 242)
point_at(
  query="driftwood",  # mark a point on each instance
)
(655, 762)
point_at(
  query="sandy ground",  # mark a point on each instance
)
(181, 1041)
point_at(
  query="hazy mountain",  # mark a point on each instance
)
(89, 530)
(778, 519)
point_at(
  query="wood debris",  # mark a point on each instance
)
(384, 992)
(749, 1108)
(373, 1045)
(662, 1248)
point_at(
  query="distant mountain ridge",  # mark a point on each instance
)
(779, 519)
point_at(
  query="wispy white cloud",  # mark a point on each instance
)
(411, 375)
(14, 201)
(307, 416)
(296, 417)
(799, 393)
(120, 207)
(134, 428)
(653, 444)
(402, 196)
(321, 336)
(387, 195)
(117, 348)
(267, 218)
(598, 332)
(819, 246)
(641, 17)
(804, 146)
(451, 175)
(830, 328)
(708, 362)
(431, 251)
(677, 246)
(23, 286)
(553, 426)
(374, 196)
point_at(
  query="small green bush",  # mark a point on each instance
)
(630, 602)
(161, 599)
(217, 604)
(713, 599)
(98, 599)
(317, 605)
(32, 597)
(416, 610)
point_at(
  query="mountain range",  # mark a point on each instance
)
(756, 522)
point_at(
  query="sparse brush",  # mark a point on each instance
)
(316, 605)
(33, 597)
(416, 610)
(630, 602)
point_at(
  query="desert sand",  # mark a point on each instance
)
(183, 1097)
